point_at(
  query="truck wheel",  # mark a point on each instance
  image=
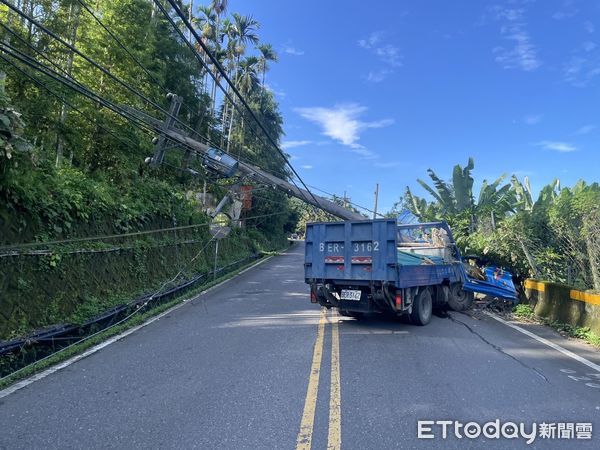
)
(422, 308)
(458, 299)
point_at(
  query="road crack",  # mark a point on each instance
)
(498, 348)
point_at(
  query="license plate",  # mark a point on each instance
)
(350, 294)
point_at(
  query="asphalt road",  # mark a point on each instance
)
(238, 368)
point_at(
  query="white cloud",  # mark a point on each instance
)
(532, 119)
(292, 144)
(522, 53)
(580, 71)
(372, 40)
(307, 167)
(292, 51)
(562, 147)
(585, 129)
(588, 46)
(342, 124)
(589, 26)
(566, 11)
(387, 53)
(378, 76)
(387, 164)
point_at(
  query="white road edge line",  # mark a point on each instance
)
(550, 344)
(26, 382)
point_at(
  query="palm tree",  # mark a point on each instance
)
(206, 23)
(219, 7)
(247, 76)
(210, 27)
(243, 31)
(267, 53)
(240, 31)
(246, 82)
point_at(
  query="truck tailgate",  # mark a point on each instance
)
(352, 250)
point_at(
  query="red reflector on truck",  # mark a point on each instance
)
(362, 260)
(398, 301)
(313, 297)
(334, 259)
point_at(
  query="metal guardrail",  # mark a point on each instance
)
(31, 348)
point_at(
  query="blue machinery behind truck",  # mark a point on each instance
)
(359, 265)
(381, 266)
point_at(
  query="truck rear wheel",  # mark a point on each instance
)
(422, 308)
(458, 299)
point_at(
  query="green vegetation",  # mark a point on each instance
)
(554, 238)
(135, 320)
(72, 168)
(525, 312)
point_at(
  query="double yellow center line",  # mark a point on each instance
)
(334, 437)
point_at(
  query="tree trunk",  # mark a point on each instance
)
(213, 95)
(64, 110)
(224, 121)
(230, 127)
(262, 92)
(6, 40)
(534, 268)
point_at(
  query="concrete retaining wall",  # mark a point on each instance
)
(562, 304)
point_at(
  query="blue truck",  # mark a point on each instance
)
(364, 266)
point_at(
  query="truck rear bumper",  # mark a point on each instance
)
(362, 298)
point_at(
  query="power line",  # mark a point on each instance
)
(71, 83)
(119, 42)
(133, 57)
(347, 201)
(133, 313)
(63, 100)
(222, 71)
(123, 235)
(101, 68)
(121, 82)
(217, 64)
(94, 63)
(20, 38)
(85, 91)
(78, 87)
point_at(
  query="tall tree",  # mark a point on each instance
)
(74, 13)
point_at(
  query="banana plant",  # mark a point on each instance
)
(456, 197)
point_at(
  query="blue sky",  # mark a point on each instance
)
(380, 92)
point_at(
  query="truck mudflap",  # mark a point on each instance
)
(497, 283)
